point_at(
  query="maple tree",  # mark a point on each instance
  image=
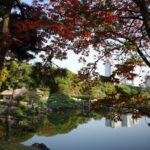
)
(113, 28)
(116, 25)
(117, 28)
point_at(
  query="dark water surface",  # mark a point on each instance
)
(94, 132)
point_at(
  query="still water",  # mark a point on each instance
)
(95, 132)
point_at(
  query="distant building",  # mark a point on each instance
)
(12, 94)
(147, 82)
(7, 95)
(108, 68)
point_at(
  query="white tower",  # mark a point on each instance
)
(108, 67)
(147, 82)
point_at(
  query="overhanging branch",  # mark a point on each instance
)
(143, 57)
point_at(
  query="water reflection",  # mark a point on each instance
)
(72, 130)
(126, 120)
(147, 120)
(95, 135)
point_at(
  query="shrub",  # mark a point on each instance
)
(60, 101)
(18, 112)
(125, 88)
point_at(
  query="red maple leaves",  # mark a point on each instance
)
(74, 2)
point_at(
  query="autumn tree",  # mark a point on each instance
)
(111, 27)
(117, 28)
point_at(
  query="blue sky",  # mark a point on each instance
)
(27, 1)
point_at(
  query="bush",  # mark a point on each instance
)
(60, 101)
(18, 112)
(30, 97)
(125, 88)
(103, 90)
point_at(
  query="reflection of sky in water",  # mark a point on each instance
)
(96, 136)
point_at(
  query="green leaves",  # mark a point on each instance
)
(60, 101)
(16, 74)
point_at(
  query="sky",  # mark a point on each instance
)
(73, 64)
(27, 1)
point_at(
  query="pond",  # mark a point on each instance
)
(104, 130)
(105, 134)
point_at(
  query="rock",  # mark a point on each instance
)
(40, 146)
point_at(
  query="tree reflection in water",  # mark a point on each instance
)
(64, 121)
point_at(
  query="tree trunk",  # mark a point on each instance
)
(146, 17)
(143, 57)
(145, 14)
(5, 34)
